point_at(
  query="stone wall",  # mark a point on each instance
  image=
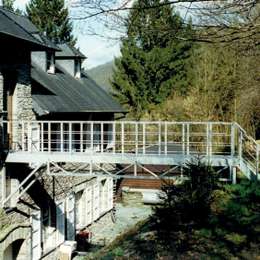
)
(20, 232)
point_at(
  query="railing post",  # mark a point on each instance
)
(209, 140)
(92, 136)
(136, 138)
(240, 146)
(114, 137)
(42, 136)
(188, 138)
(81, 137)
(183, 139)
(232, 141)
(165, 138)
(61, 138)
(257, 160)
(122, 137)
(70, 137)
(49, 137)
(102, 137)
(159, 137)
(144, 137)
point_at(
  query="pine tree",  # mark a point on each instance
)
(153, 61)
(52, 18)
(8, 4)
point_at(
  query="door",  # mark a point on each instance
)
(70, 219)
(60, 222)
(36, 235)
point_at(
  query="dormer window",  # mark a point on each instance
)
(78, 68)
(50, 62)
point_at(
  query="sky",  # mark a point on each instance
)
(97, 50)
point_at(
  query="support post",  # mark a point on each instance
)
(135, 169)
(240, 147)
(233, 171)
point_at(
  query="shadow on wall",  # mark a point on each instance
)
(39, 195)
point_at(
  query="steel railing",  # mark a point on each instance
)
(135, 137)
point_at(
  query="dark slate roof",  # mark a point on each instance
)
(63, 93)
(19, 26)
(69, 52)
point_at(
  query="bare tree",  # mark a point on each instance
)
(216, 21)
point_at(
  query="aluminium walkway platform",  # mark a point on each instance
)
(91, 145)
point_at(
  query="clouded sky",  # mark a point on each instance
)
(97, 50)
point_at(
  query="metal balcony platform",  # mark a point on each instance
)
(132, 143)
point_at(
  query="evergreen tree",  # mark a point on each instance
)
(8, 4)
(153, 61)
(52, 18)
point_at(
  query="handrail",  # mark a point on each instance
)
(162, 138)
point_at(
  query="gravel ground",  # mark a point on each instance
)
(127, 217)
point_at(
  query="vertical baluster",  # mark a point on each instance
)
(144, 137)
(232, 141)
(165, 138)
(136, 138)
(81, 137)
(114, 136)
(49, 137)
(102, 136)
(42, 136)
(210, 140)
(70, 137)
(183, 139)
(159, 137)
(61, 137)
(91, 136)
(240, 145)
(188, 138)
(122, 137)
(257, 160)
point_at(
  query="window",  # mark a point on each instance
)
(50, 62)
